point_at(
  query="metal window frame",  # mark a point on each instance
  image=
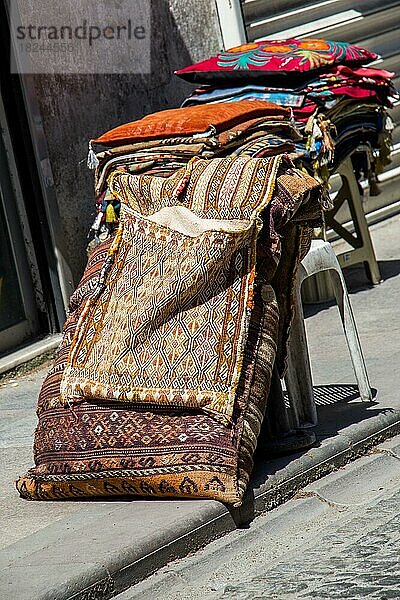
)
(18, 231)
(231, 22)
(59, 272)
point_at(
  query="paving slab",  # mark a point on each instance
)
(96, 549)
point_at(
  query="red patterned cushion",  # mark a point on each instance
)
(290, 57)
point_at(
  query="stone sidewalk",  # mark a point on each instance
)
(96, 549)
(337, 538)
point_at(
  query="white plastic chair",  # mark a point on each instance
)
(321, 257)
(360, 242)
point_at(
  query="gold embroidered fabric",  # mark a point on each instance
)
(169, 321)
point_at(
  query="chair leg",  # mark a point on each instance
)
(298, 377)
(352, 339)
(363, 249)
(276, 421)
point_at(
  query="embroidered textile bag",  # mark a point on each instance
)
(169, 325)
(96, 447)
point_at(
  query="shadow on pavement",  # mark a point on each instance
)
(338, 407)
(356, 281)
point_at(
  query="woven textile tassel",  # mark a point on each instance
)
(92, 160)
(111, 217)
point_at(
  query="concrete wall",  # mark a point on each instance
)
(76, 108)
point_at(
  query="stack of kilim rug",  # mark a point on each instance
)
(161, 381)
(337, 102)
(163, 142)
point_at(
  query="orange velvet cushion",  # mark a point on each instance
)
(190, 120)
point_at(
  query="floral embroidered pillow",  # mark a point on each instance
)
(292, 57)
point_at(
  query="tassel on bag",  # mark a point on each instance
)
(92, 160)
(111, 217)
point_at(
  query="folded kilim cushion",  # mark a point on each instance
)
(192, 120)
(101, 435)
